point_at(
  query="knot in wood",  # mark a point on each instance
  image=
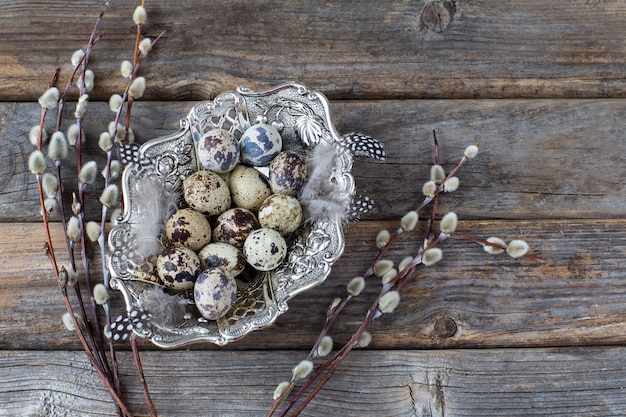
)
(445, 327)
(437, 15)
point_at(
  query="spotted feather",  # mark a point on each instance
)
(360, 144)
(360, 205)
(128, 152)
(122, 327)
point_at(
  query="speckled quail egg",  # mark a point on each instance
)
(178, 267)
(234, 225)
(281, 213)
(207, 192)
(248, 187)
(189, 228)
(265, 249)
(221, 254)
(260, 143)
(218, 150)
(215, 292)
(288, 173)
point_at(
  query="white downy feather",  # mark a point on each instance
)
(321, 198)
(155, 205)
(164, 308)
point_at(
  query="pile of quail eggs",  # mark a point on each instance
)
(235, 217)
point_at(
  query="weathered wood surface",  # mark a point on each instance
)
(503, 336)
(371, 50)
(539, 158)
(480, 383)
(577, 298)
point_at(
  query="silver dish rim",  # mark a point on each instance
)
(312, 250)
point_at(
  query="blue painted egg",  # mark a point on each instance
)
(260, 143)
(218, 151)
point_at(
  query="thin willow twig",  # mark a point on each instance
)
(144, 385)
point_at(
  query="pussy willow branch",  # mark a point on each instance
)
(126, 99)
(96, 363)
(142, 378)
(101, 238)
(136, 57)
(327, 369)
(93, 38)
(46, 220)
(495, 245)
(105, 271)
(330, 319)
(82, 63)
(428, 241)
(87, 326)
(96, 326)
(44, 213)
(94, 348)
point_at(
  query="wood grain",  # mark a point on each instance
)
(469, 299)
(538, 159)
(474, 335)
(453, 383)
(370, 51)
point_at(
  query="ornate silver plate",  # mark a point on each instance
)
(304, 120)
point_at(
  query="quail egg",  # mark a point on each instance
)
(287, 173)
(265, 249)
(214, 292)
(223, 255)
(260, 144)
(234, 225)
(281, 213)
(207, 192)
(178, 267)
(248, 187)
(218, 151)
(189, 228)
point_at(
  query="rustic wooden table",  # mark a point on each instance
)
(539, 84)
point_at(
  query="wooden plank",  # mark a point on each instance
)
(538, 159)
(511, 382)
(18, 189)
(376, 50)
(470, 299)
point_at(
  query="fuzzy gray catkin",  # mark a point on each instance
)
(493, 250)
(303, 369)
(58, 146)
(37, 162)
(137, 87)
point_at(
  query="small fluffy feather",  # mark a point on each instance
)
(164, 308)
(320, 197)
(155, 205)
